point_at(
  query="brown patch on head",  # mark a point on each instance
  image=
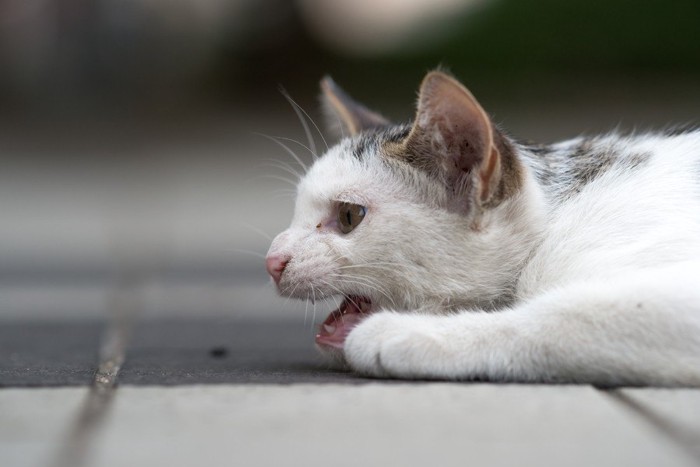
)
(511, 169)
(420, 158)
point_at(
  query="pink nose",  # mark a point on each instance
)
(275, 266)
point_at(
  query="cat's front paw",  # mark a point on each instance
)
(402, 345)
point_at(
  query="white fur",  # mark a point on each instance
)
(603, 287)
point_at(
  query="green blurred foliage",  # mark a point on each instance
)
(579, 34)
(148, 62)
(505, 43)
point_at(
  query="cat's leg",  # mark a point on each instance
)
(641, 328)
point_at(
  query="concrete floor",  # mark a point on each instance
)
(254, 393)
(137, 326)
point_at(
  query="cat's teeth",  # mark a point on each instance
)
(329, 328)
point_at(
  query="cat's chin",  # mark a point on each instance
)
(336, 327)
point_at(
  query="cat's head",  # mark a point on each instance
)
(422, 216)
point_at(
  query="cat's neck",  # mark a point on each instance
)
(484, 269)
(517, 226)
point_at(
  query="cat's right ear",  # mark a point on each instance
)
(453, 137)
(346, 116)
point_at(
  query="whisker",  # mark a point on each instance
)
(358, 278)
(313, 301)
(277, 196)
(256, 230)
(277, 177)
(368, 266)
(390, 263)
(292, 140)
(368, 283)
(290, 294)
(284, 191)
(301, 118)
(340, 292)
(364, 282)
(342, 318)
(337, 305)
(289, 150)
(298, 109)
(282, 166)
(249, 252)
(326, 300)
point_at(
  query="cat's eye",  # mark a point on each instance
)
(349, 216)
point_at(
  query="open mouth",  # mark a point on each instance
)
(340, 322)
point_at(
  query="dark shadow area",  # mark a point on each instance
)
(49, 353)
(214, 352)
(166, 353)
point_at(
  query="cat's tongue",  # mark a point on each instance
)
(337, 326)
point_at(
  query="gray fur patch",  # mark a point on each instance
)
(563, 170)
(589, 162)
(376, 137)
(566, 171)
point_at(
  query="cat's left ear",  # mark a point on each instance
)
(344, 112)
(453, 137)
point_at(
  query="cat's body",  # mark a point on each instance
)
(462, 254)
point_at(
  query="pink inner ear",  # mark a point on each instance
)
(453, 125)
(466, 145)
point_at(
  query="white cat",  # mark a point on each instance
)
(463, 254)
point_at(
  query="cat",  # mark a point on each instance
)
(463, 254)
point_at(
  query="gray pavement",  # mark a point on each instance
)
(166, 353)
(347, 425)
(49, 354)
(137, 327)
(255, 393)
(243, 352)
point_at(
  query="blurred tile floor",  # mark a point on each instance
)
(125, 390)
(137, 326)
(292, 411)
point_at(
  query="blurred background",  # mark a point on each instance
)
(129, 129)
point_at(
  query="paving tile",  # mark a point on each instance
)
(377, 424)
(166, 352)
(674, 412)
(35, 424)
(226, 351)
(59, 353)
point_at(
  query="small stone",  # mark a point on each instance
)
(218, 352)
